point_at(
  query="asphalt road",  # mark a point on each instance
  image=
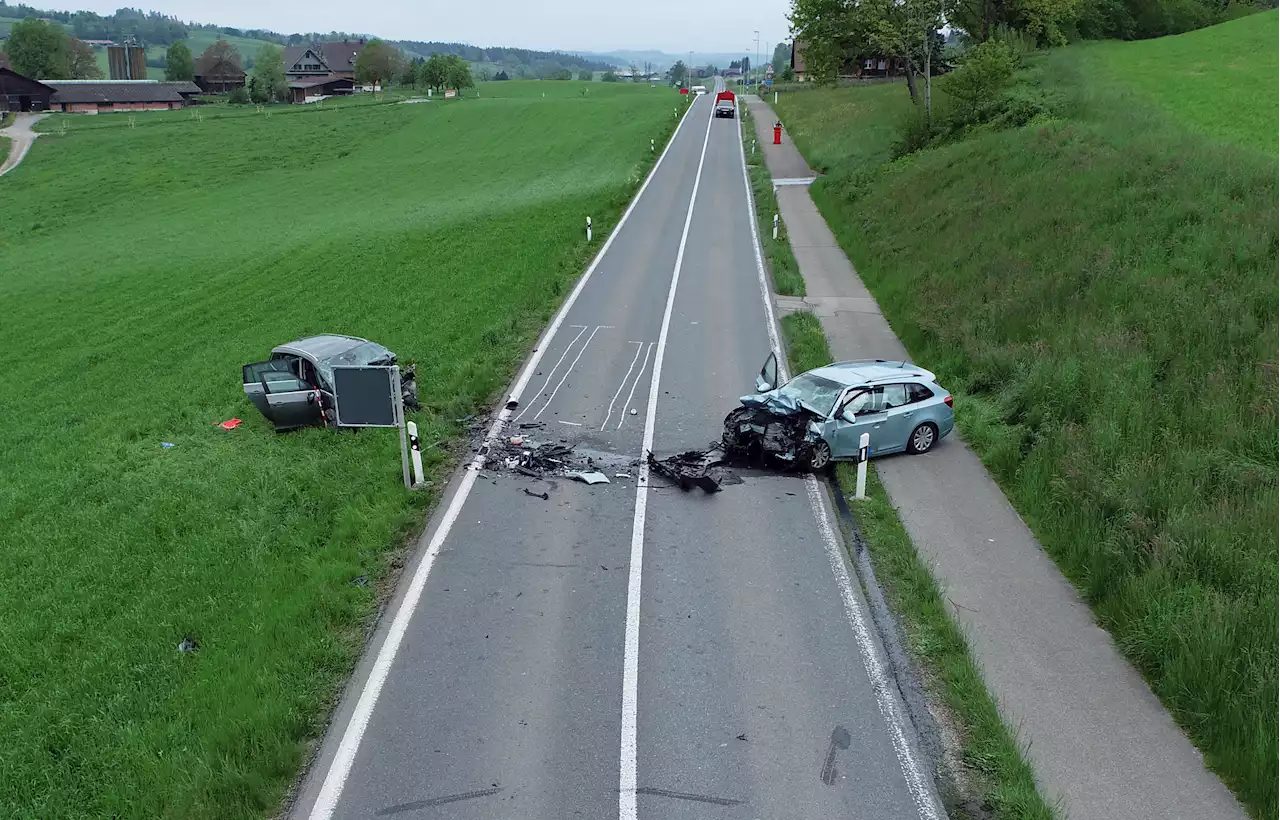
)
(615, 652)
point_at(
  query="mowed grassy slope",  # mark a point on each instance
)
(143, 267)
(1100, 293)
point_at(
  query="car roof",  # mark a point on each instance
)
(872, 371)
(321, 347)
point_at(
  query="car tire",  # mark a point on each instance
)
(820, 458)
(922, 438)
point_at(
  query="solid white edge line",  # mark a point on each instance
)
(631, 660)
(344, 757)
(623, 385)
(922, 791)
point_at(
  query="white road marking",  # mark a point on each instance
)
(340, 767)
(574, 423)
(552, 372)
(560, 384)
(922, 792)
(631, 650)
(623, 384)
(632, 394)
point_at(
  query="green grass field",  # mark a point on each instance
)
(146, 265)
(1100, 293)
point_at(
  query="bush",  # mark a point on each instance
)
(914, 134)
(978, 86)
(239, 97)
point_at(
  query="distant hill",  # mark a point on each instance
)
(660, 60)
(156, 31)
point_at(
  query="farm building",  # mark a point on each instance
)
(219, 75)
(104, 96)
(336, 59)
(19, 93)
(304, 88)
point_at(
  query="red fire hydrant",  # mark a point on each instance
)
(777, 133)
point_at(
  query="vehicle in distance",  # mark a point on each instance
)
(294, 388)
(699, 90)
(819, 416)
(725, 106)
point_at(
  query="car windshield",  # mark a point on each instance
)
(813, 392)
(367, 353)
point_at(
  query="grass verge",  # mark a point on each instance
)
(7, 119)
(1071, 280)
(779, 259)
(993, 779)
(446, 232)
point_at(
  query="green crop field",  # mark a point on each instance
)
(1220, 79)
(1099, 291)
(144, 265)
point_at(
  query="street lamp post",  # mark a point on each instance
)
(756, 66)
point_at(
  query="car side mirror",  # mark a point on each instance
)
(768, 378)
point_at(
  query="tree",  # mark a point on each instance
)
(409, 75)
(377, 63)
(679, 72)
(586, 75)
(81, 64)
(458, 73)
(239, 96)
(435, 72)
(609, 77)
(781, 57)
(501, 75)
(257, 93)
(38, 50)
(268, 70)
(178, 63)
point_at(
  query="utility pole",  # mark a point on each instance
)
(756, 66)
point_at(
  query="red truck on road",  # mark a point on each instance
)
(725, 106)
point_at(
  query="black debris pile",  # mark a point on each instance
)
(520, 454)
(695, 468)
(759, 436)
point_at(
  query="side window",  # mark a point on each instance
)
(918, 392)
(892, 395)
(277, 382)
(860, 404)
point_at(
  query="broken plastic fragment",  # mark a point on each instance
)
(595, 477)
(230, 424)
(188, 645)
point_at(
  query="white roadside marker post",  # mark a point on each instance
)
(588, 229)
(775, 98)
(651, 146)
(753, 148)
(775, 226)
(415, 453)
(864, 444)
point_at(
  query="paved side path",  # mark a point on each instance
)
(21, 137)
(1100, 741)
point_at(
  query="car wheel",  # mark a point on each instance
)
(820, 457)
(922, 439)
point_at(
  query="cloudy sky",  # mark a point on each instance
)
(673, 26)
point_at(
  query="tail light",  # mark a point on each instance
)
(948, 401)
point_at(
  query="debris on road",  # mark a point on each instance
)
(695, 468)
(594, 477)
(543, 496)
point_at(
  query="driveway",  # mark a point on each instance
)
(22, 134)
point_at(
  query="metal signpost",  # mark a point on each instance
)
(370, 397)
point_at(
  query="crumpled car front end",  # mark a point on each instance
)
(771, 426)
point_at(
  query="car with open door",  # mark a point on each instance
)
(294, 388)
(819, 416)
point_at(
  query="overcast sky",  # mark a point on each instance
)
(673, 26)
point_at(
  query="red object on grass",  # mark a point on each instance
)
(230, 424)
(684, 91)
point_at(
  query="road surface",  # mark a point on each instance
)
(617, 652)
(22, 136)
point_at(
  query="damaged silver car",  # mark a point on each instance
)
(294, 388)
(819, 416)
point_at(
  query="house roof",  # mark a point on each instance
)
(183, 86)
(218, 68)
(109, 91)
(339, 56)
(7, 73)
(312, 82)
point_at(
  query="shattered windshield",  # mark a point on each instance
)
(813, 392)
(368, 353)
